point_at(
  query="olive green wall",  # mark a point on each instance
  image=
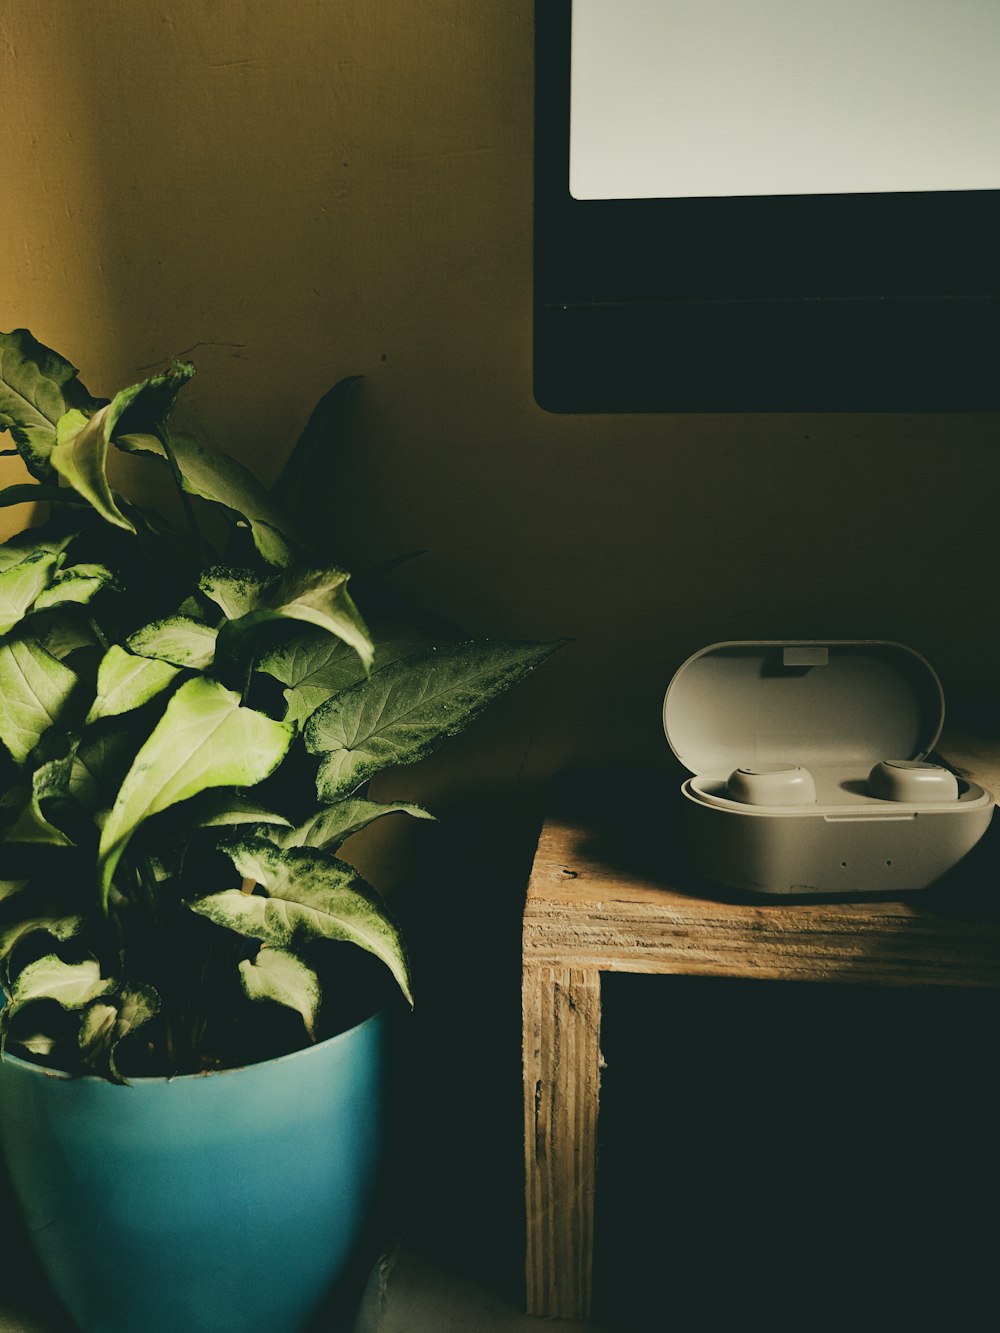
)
(288, 193)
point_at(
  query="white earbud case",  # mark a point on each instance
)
(748, 719)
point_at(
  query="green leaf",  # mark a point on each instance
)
(215, 476)
(100, 760)
(310, 896)
(62, 631)
(21, 584)
(32, 825)
(333, 824)
(80, 458)
(317, 597)
(125, 682)
(80, 455)
(221, 809)
(38, 1043)
(315, 666)
(401, 713)
(35, 691)
(178, 639)
(8, 887)
(299, 473)
(37, 387)
(278, 975)
(79, 584)
(205, 738)
(59, 927)
(236, 592)
(70, 984)
(106, 1024)
(32, 541)
(37, 493)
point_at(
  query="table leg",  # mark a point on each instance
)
(562, 1074)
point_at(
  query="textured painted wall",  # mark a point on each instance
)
(289, 193)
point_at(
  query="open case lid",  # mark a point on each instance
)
(837, 702)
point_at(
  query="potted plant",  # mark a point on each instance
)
(194, 1020)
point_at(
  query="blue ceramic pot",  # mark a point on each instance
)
(228, 1202)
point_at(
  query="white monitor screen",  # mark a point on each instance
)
(708, 98)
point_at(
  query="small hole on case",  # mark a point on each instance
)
(888, 863)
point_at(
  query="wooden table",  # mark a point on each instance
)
(609, 892)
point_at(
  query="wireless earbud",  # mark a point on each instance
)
(913, 781)
(772, 784)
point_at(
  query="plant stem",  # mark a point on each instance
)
(98, 633)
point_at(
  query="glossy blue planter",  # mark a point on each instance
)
(228, 1202)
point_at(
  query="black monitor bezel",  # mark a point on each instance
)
(887, 302)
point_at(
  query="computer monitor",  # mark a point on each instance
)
(786, 205)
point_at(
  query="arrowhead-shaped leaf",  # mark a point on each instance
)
(329, 827)
(292, 487)
(70, 984)
(205, 738)
(59, 927)
(80, 458)
(125, 682)
(224, 808)
(80, 455)
(100, 760)
(22, 584)
(62, 630)
(310, 895)
(315, 666)
(401, 713)
(317, 597)
(278, 975)
(78, 583)
(33, 540)
(106, 1024)
(215, 476)
(35, 690)
(32, 824)
(178, 639)
(37, 387)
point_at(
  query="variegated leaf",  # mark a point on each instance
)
(314, 666)
(181, 640)
(317, 597)
(310, 895)
(331, 825)
(223, 808)
(401, 713)
(106, 1023)
(70, 984)
(276, 974)
(32, 540)
(78, 583)
(59, 927)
